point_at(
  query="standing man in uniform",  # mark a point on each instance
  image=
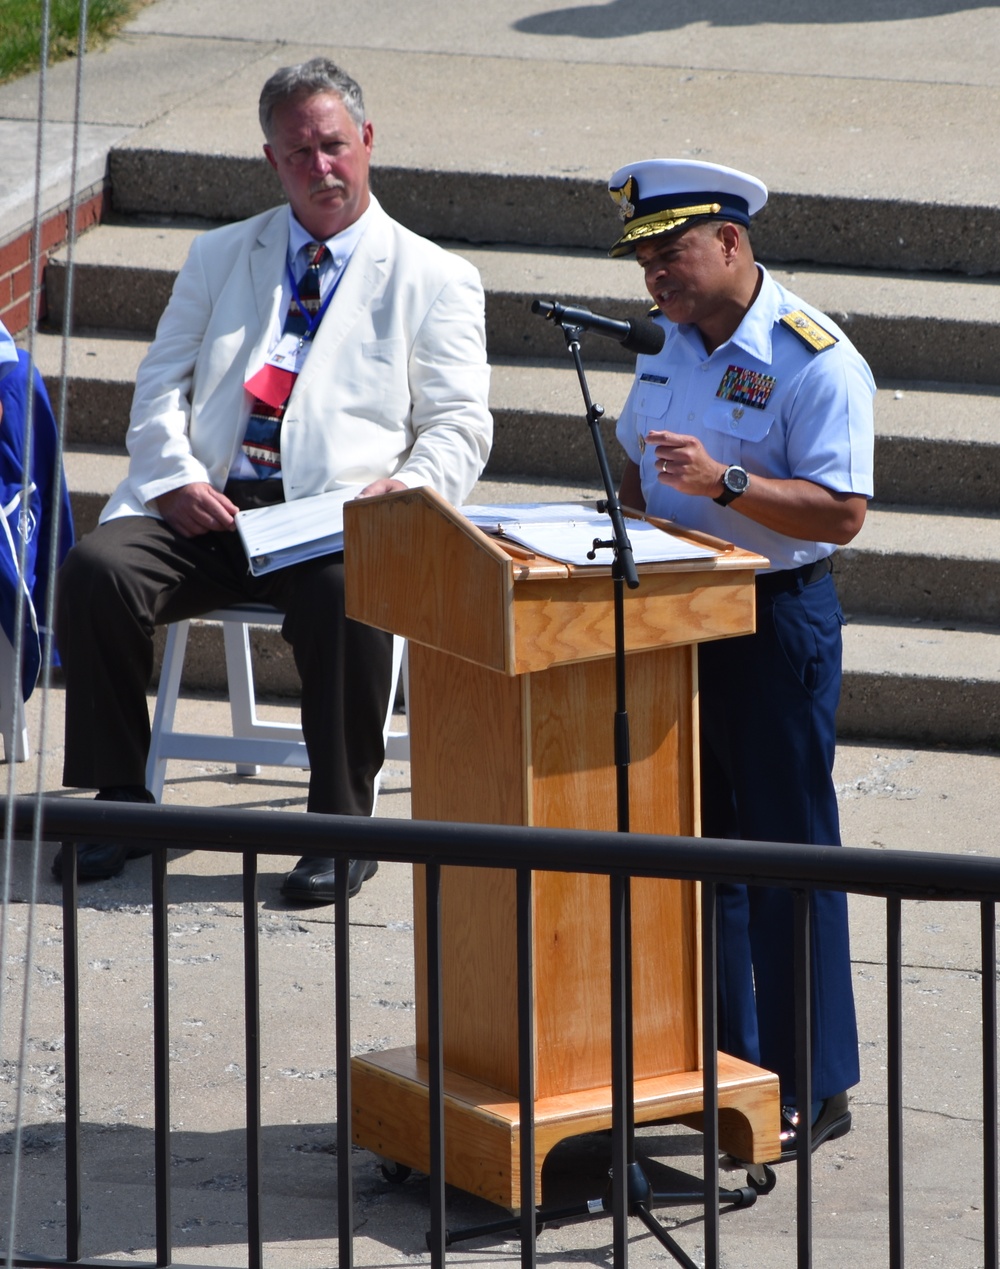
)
(755, 424)
(316, 346)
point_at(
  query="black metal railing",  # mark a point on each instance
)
(894, 876)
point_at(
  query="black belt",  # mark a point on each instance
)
(787, 579)
(252, 493)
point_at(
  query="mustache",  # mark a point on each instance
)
(327, 183)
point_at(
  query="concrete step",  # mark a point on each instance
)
(919, 326)
(153, 176)
(937, 445)
(915, 683)
(909, 326)
(911, 563)
(101, 370)
(921, 683)
(93, 472)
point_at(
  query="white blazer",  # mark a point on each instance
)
(395, 385)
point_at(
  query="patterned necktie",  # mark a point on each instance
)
(261, 444)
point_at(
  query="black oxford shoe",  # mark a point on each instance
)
(833, 1121)
(312, 880)
(99, 861)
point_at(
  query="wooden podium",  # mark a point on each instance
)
(510, 713)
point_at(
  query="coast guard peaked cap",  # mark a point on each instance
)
(662, 196)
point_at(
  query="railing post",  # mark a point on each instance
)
(342, 1050)
(251, 1026)
(803, 1073)
(991, 1179)
(710, 1068)
(161, 1056)
(621, 1075)
(435, 1065)
(526, 1064)
(894, 1077)
(71, 1029)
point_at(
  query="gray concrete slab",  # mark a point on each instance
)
(853, 41)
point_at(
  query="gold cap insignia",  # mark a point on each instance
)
(623, 197)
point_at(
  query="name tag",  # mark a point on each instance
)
(289, 353)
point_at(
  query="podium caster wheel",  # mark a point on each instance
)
(762, 1178)
(395, 1173)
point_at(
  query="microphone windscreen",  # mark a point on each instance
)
(645, 338)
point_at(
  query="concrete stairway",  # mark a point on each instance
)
(921, 584)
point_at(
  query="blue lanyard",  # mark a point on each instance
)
(312, 321)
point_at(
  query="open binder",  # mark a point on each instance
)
(289, 532)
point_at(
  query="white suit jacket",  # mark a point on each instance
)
(395, 384)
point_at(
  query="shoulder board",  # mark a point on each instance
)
(811, 333)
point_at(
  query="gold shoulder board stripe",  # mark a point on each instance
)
(810, 332)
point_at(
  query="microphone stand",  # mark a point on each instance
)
(630, 1191)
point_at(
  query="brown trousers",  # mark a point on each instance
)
(135, 573)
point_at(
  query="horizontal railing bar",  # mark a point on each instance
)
(860, 870)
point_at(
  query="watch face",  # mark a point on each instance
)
(736, 479)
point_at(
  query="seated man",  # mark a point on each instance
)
(383, 333)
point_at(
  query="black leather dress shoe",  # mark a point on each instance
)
(311, 880)
(99, 861)
(833, 1121)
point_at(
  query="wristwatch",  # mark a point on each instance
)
(735, 480)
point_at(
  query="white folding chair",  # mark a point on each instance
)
(253, 742)
(13, 726)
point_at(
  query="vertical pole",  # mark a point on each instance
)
(435, 1064)
(342, 1048)
(894, 1078)
(251, 1014)
(161, 1056)
(526, 1064)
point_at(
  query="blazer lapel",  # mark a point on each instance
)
(267, 263)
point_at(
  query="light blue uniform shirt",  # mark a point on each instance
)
(764, 400)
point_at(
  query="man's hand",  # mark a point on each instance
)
(383, 486)
(195, 509)
(795, 507)
(683, 463)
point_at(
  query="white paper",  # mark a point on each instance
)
(288, 532)
(566, 531)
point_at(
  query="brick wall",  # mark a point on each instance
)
(15, 255)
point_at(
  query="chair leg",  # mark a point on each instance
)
(166, 704)
(397, 743)
(242, 699)
(13, 726)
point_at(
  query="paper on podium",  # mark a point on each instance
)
(289, 532)
(566, 531)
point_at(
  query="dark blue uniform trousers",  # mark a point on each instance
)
(768, 703)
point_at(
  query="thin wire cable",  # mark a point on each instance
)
(16, 686)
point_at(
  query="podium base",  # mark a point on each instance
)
(482, 1138)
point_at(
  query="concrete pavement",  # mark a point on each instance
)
(891, 799)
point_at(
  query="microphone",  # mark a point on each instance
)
(641, 337)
